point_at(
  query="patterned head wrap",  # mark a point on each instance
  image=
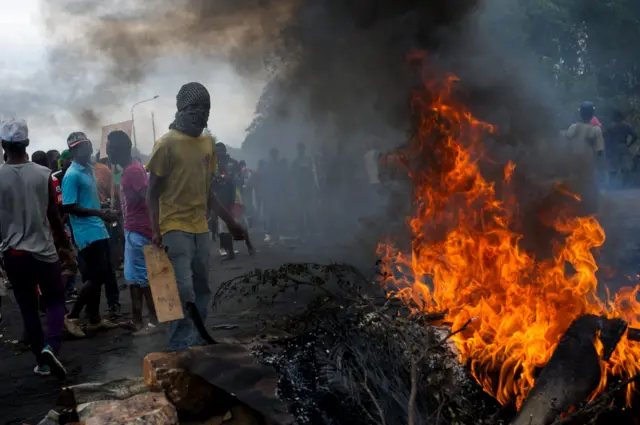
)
(193, 103)
(14, 131)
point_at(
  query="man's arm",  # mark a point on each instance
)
(137, 185)
(153, 203)
(70, 201)
(598, 147)
(159, 167)
(53, 214)
(216, 206)
(77, 210)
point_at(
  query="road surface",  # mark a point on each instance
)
(26, 397)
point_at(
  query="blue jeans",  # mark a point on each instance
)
(189, 254)
(135, 268)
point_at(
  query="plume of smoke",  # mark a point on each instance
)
(115, 45)
(340, 83)
(345, 87)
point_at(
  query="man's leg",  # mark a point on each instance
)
(98, 271)
(136, 305)
(135, 273)
(49, 276)
(89, 295)
(69, 263)
(151, 307)
(20, 271)
(181, 248)
(111, 289)
(201, 289)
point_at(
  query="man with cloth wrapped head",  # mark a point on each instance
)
(182, 168)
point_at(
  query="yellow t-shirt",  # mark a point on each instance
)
(186, 165)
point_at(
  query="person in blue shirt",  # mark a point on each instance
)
(80, 200)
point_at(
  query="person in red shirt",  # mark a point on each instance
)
(68, 258)
(137, 227)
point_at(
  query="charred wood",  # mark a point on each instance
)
(573, 372)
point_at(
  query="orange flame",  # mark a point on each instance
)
(466, 259)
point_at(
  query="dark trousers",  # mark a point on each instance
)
(25, 273)
(111, 289)
(97, 272)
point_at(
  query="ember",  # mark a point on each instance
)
(466, 258)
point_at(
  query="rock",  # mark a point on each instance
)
(192, 395)
(234, 369)
(142, 409)
(86, 410)
(243, 415)
(51, 418)
(212, 379)
(157, 367)
(120, 389)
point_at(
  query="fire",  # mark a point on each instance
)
(466, 259)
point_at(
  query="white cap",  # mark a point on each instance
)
(14, 131)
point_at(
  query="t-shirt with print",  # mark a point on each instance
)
(187, 165)
(79, 187)
(57, 188)
(133, 182)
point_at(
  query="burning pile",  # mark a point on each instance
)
(466, 257)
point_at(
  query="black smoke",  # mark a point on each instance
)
(101, 51)
(339, 78)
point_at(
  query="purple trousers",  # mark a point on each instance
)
(26, 273)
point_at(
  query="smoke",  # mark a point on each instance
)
(112, 47)
(339, 79)
(346, 86)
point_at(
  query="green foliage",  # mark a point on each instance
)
(590, 48)
(586, 49)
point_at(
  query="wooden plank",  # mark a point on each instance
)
(162, 281)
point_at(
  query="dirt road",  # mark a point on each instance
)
(26, 397)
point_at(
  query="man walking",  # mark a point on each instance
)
(588, 152)
(182, 168)
(137, 228)
(109, 195)
(67, 257)
(276, 194)
(619, 137)
(63, 162)
(29, 224)
(80, 201)
(305, 190)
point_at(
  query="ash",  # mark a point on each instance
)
(353, 362)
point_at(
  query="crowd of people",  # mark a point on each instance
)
(283, 198)
(69, 220)
(276, 198)
(68, 214)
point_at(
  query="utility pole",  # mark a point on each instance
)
(133, 123)
(153, 126)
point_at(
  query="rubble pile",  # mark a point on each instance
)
(213, 385)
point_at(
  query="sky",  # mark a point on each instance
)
(31, 90)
